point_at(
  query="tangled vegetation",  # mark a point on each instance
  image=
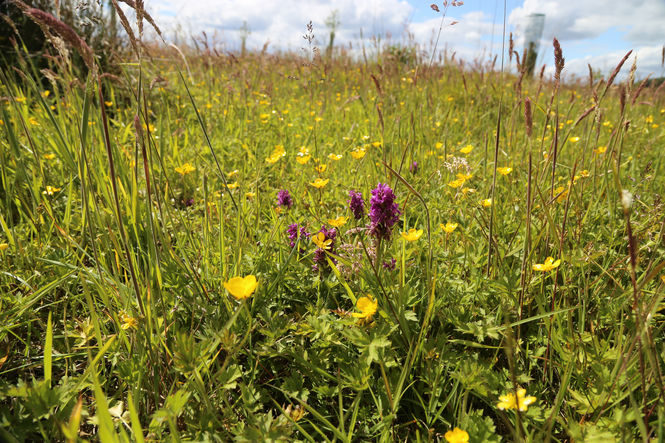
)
(275, 247)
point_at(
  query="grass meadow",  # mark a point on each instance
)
(182, 258)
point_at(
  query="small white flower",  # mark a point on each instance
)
(626, 199)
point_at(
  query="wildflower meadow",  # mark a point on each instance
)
(277, 246)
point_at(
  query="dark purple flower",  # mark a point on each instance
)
(284, 198)
(383, 212)
(294, 233)
(356, 204)
(390, 265)
(413, 168)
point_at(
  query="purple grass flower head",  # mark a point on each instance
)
(356, 204)
(414, 168)
(390, 265)
(284, 198)
(383, 212)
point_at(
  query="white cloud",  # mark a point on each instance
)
(580, 27)
(642, 19)
(599, 32)
(281, 23)
(648, 62)
(470, 37)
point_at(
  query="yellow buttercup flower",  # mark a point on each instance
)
(3, 246)
(367, 306)
(448, 227)
(274, 158)
(185, 169)
(276, 154)
(302, 159)
(486, 203)
(521, 402)
(412, 234)
(358, 153)
(548, 265)
(319, 183)
(600, 150)
(335, 157)
(128, 321)
(50, 156)
(233, 185)
(457, 436)
(50, 190)
(456, 183)
(321, 168)
(241, 287)
(560, 193)
(321, 242)
(467, 149)
(574, 139)
(504, 170)
(303, 155)
(338, 222)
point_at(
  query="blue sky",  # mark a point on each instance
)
(599, 32)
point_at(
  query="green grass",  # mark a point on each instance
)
(116, 323)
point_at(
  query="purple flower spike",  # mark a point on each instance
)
(284, 199)
(383, 213)
(414, 168)
(294, 233)
(356, 204)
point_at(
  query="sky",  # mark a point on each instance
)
(596, 32)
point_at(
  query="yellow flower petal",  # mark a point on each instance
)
(338, 222)
(320, 183)
(457, 436)
(367, 306)
(521, 402)
(448, 227)
(412, 234)
(320, 241)
(358, 153)
(549, 264)
(185, 169)
(241, 287)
